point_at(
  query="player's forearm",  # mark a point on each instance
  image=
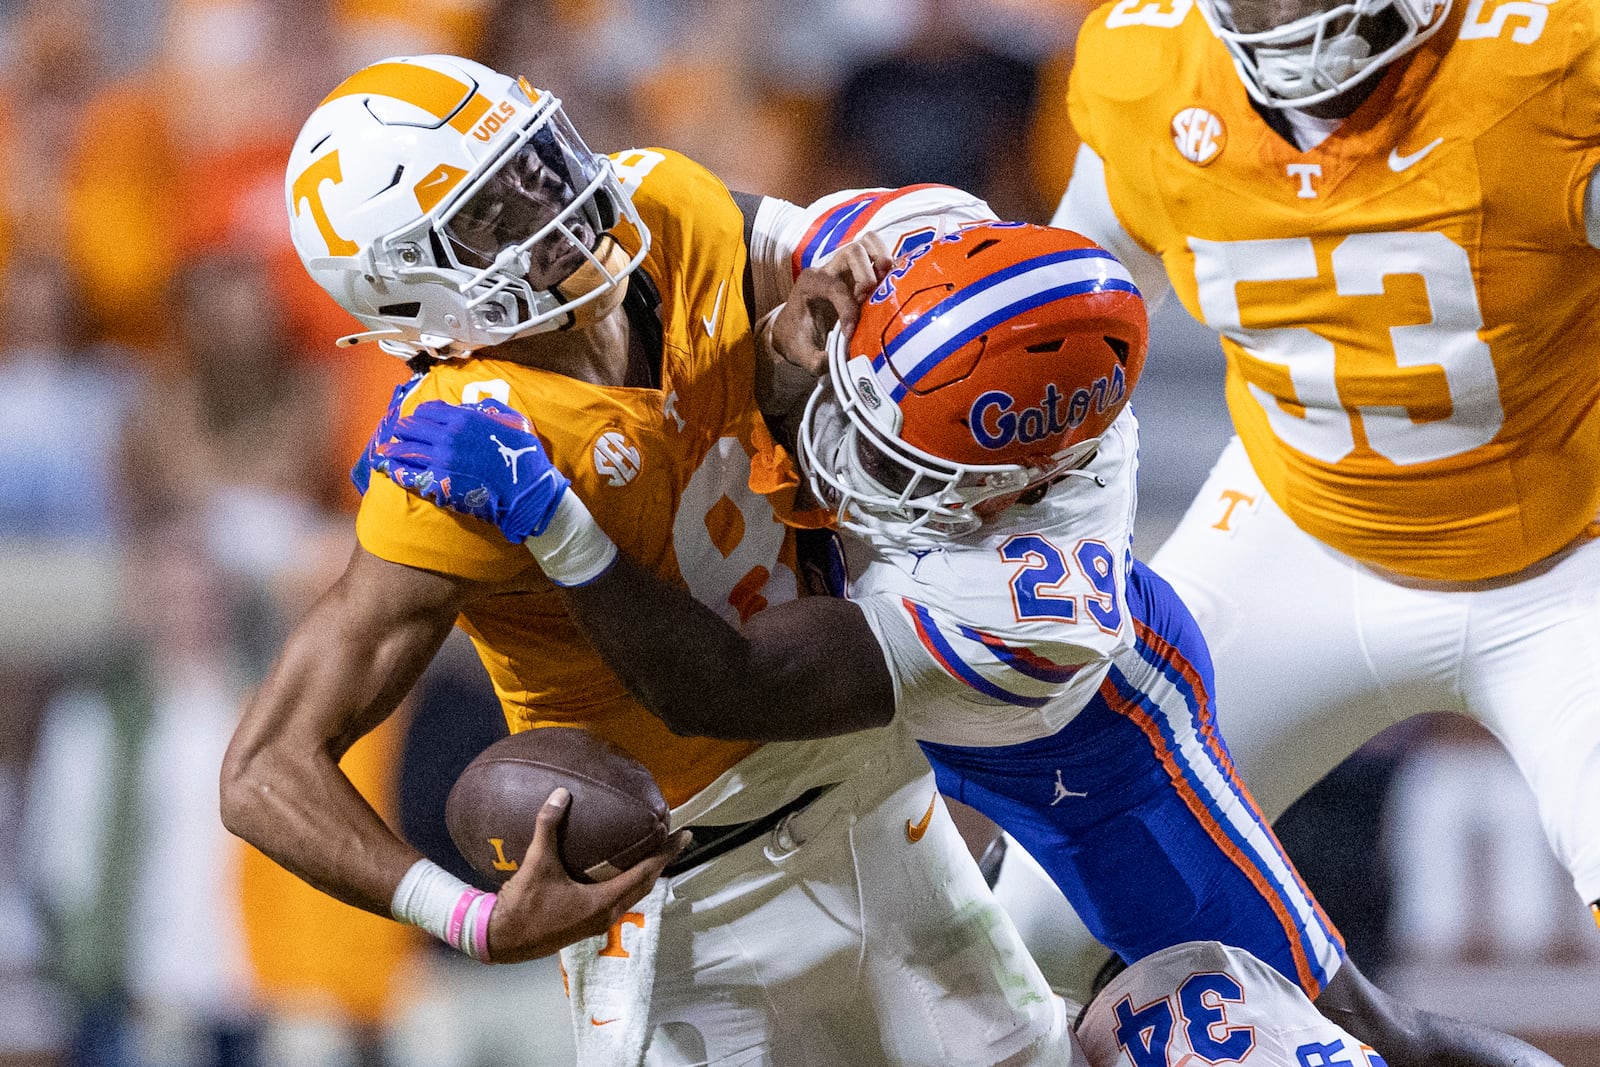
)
(284, 793)
(677, 657)
(783, 677)
(340, 674)
(309, 820)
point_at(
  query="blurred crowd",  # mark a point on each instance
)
(176, 427)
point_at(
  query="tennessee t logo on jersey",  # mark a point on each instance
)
(1305, 172)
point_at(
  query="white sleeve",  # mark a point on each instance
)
(1591, 208)
(1086, 208)
(786, 238)
(955, 684)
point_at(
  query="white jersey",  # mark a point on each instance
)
(1203, 1003)
(1003, 636)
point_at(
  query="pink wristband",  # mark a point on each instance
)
(445, 906)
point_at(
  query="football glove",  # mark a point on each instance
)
(481, 460)
(361, 473)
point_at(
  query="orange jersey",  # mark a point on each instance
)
(1410, 310)
(685, 479)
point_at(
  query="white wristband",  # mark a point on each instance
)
(432, 898)
(573, 550)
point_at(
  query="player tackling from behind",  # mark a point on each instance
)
(974, 441)
(459, 216)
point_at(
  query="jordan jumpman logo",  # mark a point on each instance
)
(511, 455)
(1062, 792)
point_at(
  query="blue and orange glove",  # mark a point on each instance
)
(480, 460)
(361, 473)
(483, 460)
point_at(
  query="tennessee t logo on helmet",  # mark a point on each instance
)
(449, 207)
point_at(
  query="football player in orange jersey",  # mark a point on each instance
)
(458, 215)
(1390, 213)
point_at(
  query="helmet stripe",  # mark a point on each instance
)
(974, 309)
(834, 222)
(443, 97)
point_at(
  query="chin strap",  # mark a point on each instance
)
(433, 346)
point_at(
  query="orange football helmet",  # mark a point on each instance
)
(988, 361)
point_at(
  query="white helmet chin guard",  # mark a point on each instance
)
(886, 489)
(449, 207)
(1316, 58)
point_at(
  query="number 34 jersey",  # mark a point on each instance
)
(1410, 310)
(1203, 1002)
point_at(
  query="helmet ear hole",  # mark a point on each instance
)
(1120, 347)
(410, 310)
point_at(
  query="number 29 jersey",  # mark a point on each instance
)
(1410, 310)
(1003, 636)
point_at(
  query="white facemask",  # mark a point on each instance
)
(1293, 73)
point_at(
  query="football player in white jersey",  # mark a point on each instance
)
(974, 441)
(1206, 1003)
(1407, 520)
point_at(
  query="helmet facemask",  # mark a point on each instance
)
(886, 489)
(1325, 54)
(506, 243)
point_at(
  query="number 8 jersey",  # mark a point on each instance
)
(692, 447)
(1410, 310)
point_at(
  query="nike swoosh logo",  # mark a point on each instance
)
(1398, 163)
(600, 1022)
(716, 312)
(915, 830)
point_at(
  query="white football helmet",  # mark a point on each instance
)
(1322, 55)
(449, 207)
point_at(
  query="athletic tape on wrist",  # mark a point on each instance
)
(573, 550)
(435, 900)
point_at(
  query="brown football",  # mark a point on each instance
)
(617, 816)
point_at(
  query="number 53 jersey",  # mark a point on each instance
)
(1410, 310)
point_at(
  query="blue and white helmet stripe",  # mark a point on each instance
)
(979, 307)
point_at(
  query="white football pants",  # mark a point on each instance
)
(858, 932)
(1315, 653)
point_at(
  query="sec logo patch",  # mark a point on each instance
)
(1199, 135)
(615, 459)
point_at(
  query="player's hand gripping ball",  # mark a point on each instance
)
(617, 816)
